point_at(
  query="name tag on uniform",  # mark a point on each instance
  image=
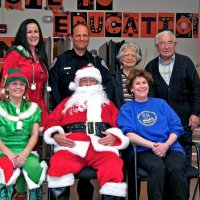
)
(67, 69)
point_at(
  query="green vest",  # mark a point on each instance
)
(16, 124)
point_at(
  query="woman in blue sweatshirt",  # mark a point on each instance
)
(154, 126)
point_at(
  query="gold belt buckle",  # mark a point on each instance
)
(87, 128)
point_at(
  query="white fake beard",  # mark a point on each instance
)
(88, 97)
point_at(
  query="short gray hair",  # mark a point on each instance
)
(135, 46)
(165, 32)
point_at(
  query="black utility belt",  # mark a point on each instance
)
(90, 128)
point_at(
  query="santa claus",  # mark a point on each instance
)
(83, 130)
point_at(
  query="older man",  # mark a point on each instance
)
(176, 80)
(83, 130)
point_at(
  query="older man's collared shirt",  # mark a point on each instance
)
(165, 69)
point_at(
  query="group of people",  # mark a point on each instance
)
(95, 115)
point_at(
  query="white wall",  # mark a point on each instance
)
(185, 46)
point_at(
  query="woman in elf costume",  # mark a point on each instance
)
(28, 54)
(19, 128)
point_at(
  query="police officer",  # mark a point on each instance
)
(66, 65)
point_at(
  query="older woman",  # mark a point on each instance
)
(129, 56)
(19, 127)
(155, 127)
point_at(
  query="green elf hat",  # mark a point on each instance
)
(15, 74)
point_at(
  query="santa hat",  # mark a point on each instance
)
(15, 74)
(86, 71)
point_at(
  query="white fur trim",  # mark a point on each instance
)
(94, 109)
(72, 86)
(3, 91)
(14, 177)
(62, 181)
(80, 148)
(2, 177)
(114, 189)
(31, 185)
(47, 134)
(90, 72)
(118, 133)
(99, 147)
(44, 166)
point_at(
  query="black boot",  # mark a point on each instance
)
(83, 186)
(111, 197)
(61, 193)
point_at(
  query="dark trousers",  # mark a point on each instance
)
(168, 170)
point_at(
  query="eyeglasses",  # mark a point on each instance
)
(164, 44)
(129, 55)
(17, 84)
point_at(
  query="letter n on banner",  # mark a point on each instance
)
(131, 25)
(113, 24)
(17, 4)
(104, 4)
(96, 24)
(165, 21)
(195, 25)
(148, 25)
(61, 24)
(33, 4)
(184, 25)
(54, 4)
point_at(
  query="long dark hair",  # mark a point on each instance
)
(20, 39)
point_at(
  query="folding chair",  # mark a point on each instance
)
(136, 174)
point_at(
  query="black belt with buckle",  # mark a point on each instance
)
(90, 128)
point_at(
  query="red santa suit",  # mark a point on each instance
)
(88, 152)
(34, 71)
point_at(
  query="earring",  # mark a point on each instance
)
(7, 96)
(24, 97)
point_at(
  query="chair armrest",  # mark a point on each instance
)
(197, 148)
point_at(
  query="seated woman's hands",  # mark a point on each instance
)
(20, 159)
(160, 149)
(108, 140)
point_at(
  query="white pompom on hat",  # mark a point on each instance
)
(88, 71)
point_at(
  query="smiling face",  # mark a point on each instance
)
(80, 38)
(140, 88)
(32, 34)
(129, 57)
(166, 46)
(16, 89)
